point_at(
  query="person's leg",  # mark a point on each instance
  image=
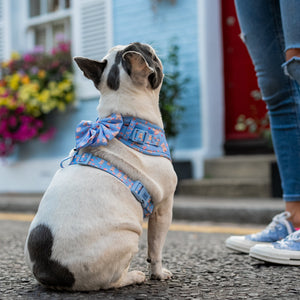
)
(287, 251)
(266, 39)
(290, 16)
(262, 32)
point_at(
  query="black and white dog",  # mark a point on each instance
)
(87, 227)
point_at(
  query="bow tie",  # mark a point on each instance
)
(98, 133)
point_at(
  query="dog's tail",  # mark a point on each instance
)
(47, 271)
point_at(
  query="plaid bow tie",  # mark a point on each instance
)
(98, 133)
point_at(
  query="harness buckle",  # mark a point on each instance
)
(139, 136)
(141, 193)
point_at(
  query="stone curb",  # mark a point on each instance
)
(247, 211)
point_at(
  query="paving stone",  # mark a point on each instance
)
(202, 268)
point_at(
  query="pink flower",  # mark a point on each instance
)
(29, 58)
(48, 135)
(3, 111)
(12, 121)
(64, 47)
(3, 126)
(25, 132)
(20, 109)
(39, 124)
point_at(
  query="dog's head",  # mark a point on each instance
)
(136, 62)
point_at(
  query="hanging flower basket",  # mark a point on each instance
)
(31, 87)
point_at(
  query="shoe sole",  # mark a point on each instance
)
(240, 244)
(273, 255)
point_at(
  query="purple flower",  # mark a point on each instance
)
(34, 70)
(38, 49)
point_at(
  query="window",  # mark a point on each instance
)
(48, 23)
(86, 23)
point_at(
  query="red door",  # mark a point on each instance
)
(244, 109)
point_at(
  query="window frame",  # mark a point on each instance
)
(46, 20)
(24, 34)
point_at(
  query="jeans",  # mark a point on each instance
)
(269, 28)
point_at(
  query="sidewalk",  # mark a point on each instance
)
(247, 211)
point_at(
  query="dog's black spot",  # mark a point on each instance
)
(46, 270)
(118, 57)
(113, 78)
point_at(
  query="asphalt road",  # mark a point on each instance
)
(195, 253)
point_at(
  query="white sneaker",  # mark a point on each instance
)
(278, 229)
(284, 252)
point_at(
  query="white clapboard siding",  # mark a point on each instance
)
(4, 30)
(91, 37)
(1, 32)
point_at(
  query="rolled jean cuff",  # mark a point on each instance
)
(290, 198)
(292, 68)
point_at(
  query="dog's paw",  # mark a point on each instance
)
(164, 275)
(139, 277)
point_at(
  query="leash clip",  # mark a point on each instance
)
(68, 158)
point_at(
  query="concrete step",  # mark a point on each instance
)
(239, 166)
(226, 187)
(20, 202)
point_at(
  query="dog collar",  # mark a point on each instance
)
(144, 137)
(137, 134)
(136, 187)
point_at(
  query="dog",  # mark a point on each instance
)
(87, 227)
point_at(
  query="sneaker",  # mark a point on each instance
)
(278, 229)
(284, 252)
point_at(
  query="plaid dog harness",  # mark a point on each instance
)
(137, 134)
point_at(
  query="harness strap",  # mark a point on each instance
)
(136, 187)
(144, 137)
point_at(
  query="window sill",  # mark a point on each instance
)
(47, 18)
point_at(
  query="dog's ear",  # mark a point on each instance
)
(92, 69)
(137, 67)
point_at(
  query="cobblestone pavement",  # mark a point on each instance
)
(202, 268)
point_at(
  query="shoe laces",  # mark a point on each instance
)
(293, 237)
(277, 220)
